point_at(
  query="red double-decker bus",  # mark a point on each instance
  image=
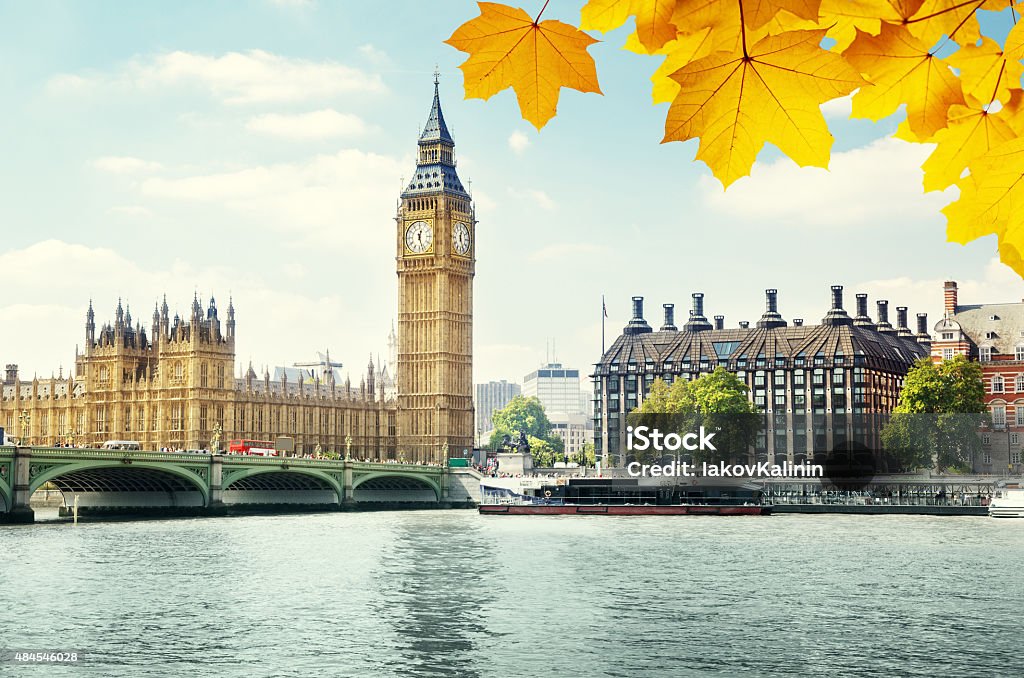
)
(262, 448)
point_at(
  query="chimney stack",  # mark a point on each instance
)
(862, 319)
(949, 294)
(771, 317)
(883, 325)
(670, 318)
(719, 322)
(697, 321)
(836, 315)
(902, 330)
(922, 330)
(798, 322)
(637, 325)
(744, 324)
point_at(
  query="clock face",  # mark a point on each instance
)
(419, 237)
(460, 238)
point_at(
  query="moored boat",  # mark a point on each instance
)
(617, 496)
(1008, 502)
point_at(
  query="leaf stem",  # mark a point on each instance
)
(999, 79)
(743, 30)
(952, 8)
(952, 33)
(539, 14)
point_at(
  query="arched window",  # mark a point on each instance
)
(1020, 383)
(997, 384)
(178, 373)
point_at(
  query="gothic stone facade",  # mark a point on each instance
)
(173, 388)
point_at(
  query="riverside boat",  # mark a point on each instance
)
(1008, 502)
(615, 496)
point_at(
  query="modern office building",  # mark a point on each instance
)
(566, 404)
(809, 380)
(494, 395)
(557, 388)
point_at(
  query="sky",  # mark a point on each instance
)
(255, 150)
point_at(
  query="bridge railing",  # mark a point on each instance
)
(249, 460)
(93, 453)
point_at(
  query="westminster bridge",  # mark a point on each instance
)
(186, 483)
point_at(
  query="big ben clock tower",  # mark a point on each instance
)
(436, 255)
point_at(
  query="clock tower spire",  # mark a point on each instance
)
(436, 257)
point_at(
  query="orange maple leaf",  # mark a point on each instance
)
(770, 92)
(535, 58)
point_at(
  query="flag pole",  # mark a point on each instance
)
(604, 314)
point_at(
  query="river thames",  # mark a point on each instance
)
(452, 593)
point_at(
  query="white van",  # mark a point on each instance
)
(122, 445)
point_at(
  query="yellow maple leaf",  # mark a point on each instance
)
(1013, 111)
(509, 49)
(770, 92)
(846, 17)
(985, 72)
(926, 20)
(992, 201)
(654, 25)
(678, 53)
(732, 21)
(900, 69)
(971, 133)
(1014, 45)
(757, 13)
(956, 19)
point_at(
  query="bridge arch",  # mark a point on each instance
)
(112, 482)
(375, 484)
(272, 485)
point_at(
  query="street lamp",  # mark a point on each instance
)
(348, 448)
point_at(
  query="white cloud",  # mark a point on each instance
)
(125, 165)
(302, 323)
(322, 124)
(341, 198)
(518, 142)
(374, 54)
(998, 284)
(249, 77)
(876, 184)
(838, 108)
(539, 197)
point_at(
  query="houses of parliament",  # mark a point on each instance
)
(175, 386)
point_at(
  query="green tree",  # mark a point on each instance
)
(936, 421)
(717, 401)
(544, 454)
(527, 415)
(586, 456)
